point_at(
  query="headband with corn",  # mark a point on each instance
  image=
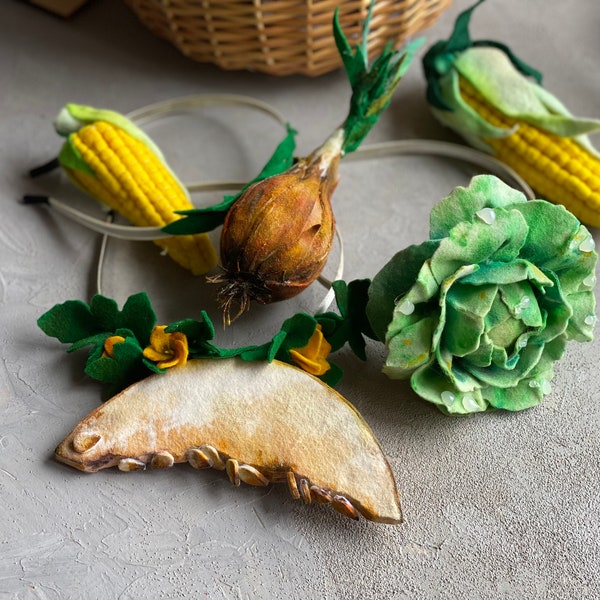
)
(110, 158)
(485, 93)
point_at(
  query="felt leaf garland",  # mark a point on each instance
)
(127, 345)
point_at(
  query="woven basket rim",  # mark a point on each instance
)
(280, 37)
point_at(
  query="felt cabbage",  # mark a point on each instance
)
(476, 316)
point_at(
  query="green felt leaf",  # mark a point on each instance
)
(333, 376)
(372, 86)
(519, 397)
(152, 367)
(574, 267)
(354, 62)
(196, 332)
(558, 311)
(294, 333)
(446, 286)
(497, 315)
(395, 280)
(125, 368)
(463, 204)
(201, 220)
(92, 340)
(522, 303)
(262, 352)
(581, 325)
(552, 228)
(139, 316)
(106, 312)
(199, 335)
(478, 242)
(462, 380)
(69, 322)
(298, 330)
(461, 37)
(279, 346)
(350, 325)
(482, 355)
(81, 324)
(410, 349)
(504, 336)
(466, 307)
(505, 273)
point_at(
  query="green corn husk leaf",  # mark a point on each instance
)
(503, 80)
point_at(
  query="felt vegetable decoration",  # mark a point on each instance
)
(110, 158)
(261, 424)
(278, 232)
(475, 316)
(496, 102)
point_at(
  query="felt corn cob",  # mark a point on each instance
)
(111, 159)
(495, 101)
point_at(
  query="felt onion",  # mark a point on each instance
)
(278, 232)
(277, 236)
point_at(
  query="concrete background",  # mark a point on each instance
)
(497, 506)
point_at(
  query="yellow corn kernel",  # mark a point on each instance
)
(132, 180)
(558, 168)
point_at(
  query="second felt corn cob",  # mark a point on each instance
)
(495, 101)
(111, 159)
(558, 168)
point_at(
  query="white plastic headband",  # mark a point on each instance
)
(159, 110)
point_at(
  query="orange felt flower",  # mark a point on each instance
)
(109, 344)
(313, 357)
(167, 349)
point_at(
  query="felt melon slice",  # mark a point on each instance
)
(260, 422)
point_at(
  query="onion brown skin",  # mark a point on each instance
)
(277, 236)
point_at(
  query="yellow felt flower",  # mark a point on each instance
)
(313, 357)
(109, 344)
(167, 349)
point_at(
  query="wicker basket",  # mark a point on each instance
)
(279, 37)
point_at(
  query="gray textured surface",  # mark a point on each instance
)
(496, 506)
